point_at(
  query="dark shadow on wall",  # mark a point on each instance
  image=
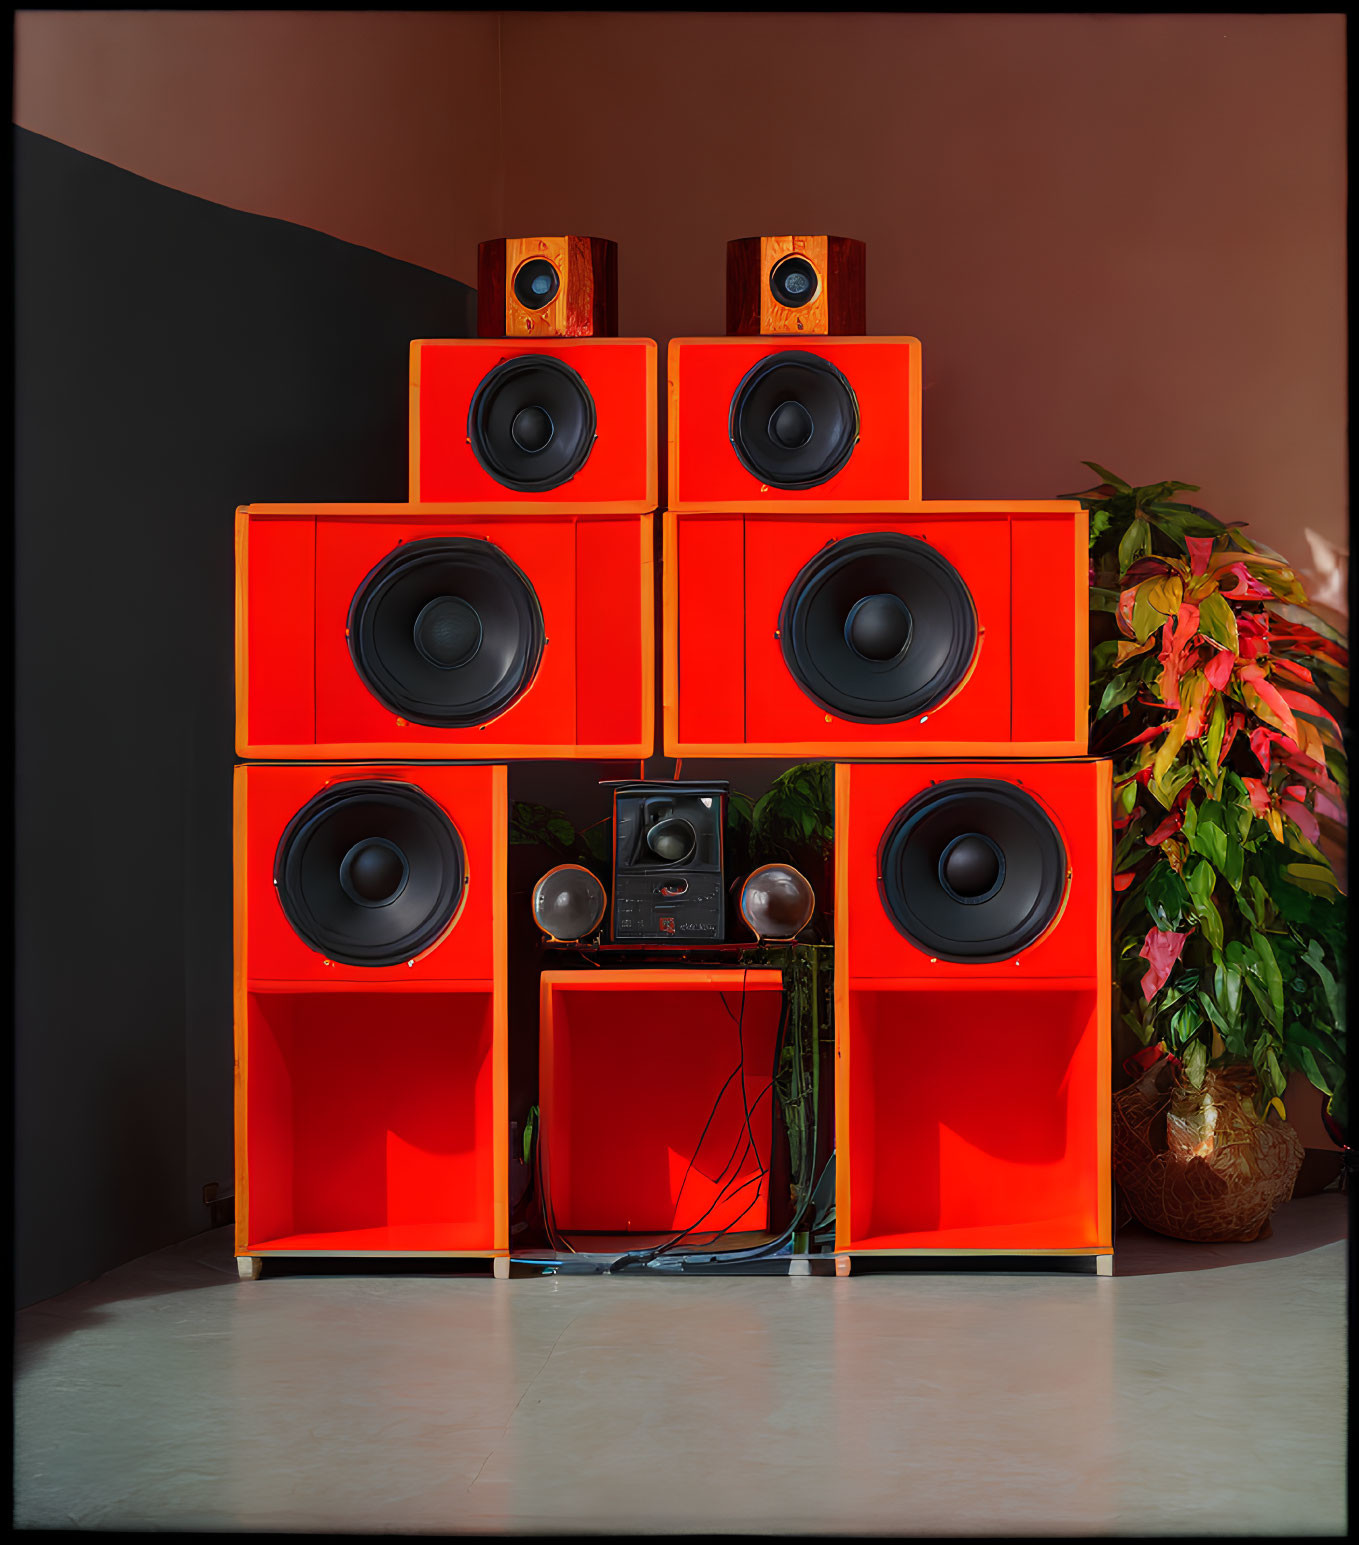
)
(174, 359)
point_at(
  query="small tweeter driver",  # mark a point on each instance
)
(972, 870)
(370, 873)
(777, 901)
(568, 904)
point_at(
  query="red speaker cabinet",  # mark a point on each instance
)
(544, 426)
(946, 628)
(395, 630)
(628, 1146)
(973, 1001)
(767, 426)
(370, 1021)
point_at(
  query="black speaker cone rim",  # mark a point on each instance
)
(873, 655)
(416, 872)
(554, 412)
(446, 632)
(990, 916)
(794, 282)
(536, 282)
(793, 387)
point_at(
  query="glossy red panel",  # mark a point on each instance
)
(704, 471)
(1002, 1148)
(473, 799)
(622, 1114)
(276, 586)
(707, 584)
(615, 654)
(1074, 794)
(620, 375)
(370, 1121)
(346, 711)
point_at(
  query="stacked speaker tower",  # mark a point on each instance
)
(391, 659)
(816, 606)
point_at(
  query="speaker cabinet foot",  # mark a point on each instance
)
(500, 1268)
(842, 1263)
(799, 1268)
(250, 1267)
(1104, 1265)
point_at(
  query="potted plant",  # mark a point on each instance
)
(1217, 694)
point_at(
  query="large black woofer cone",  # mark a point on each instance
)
(972, 870)
(794, 420)
(672, 840)
(878, 627)
(446, 632)
(370, 873)
(532, 423)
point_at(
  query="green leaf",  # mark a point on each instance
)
(1134, 544)
(1317, 878)
(1146, 615)
(1217, 728)
(1099, 522)
(1269, 972)
(1195, 1064)
(528, 1131)
(1218, 622)
(1119, 690)
(1106, 476)
(1166, 898)
(1315, 957)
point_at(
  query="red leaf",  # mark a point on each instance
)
(1258, 794)
(1302, 818)
(1300, 673)
(1200, 549)
(1271, 705)
(1260, 739)
(1219, 668)
(1247, 584)
(1124, 880)
(1172, 823)
(1161, 950)
(1234, 723)
(1308, 705)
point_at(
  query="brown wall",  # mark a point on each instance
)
(1119, 237)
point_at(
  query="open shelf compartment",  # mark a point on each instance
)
(373, 1122)
(973, 1118)
(632, 1065)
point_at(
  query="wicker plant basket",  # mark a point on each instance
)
(1200, 1163)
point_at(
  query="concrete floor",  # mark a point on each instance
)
(1199, 1390)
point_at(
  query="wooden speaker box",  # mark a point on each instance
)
(547, 287)
(813, 285)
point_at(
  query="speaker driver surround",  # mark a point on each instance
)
(370, 872)
(793, 282)
(536, 284)
(531, 424)
(446, 632)
(972, 870)
(878, 627)
(794, 420)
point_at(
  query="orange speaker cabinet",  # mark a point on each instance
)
(729, 689)
(972, 1099)
(371, 1103)
(622, 1114)
(715, 382)
(299, 691)
(548, 426)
